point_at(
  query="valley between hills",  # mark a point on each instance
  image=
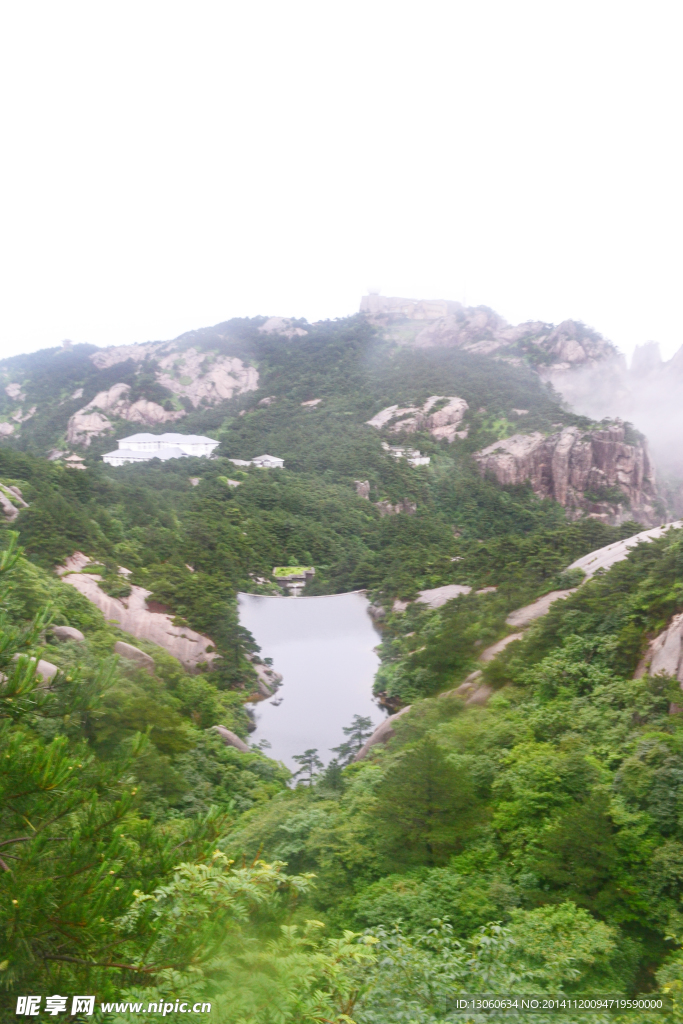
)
(514, 826)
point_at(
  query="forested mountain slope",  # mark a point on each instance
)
(552, 809)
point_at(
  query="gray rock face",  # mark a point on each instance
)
(200, 376)
(490, 653)
(605, 558)
(135, 655)
(667, 651)
(190, 648)
(525, 616)
(382, 733)
(481, 330)
(442, 424)
(267, 681)
(363, 488)
(438, 596)
(230, 738)
(67, 633)
(566, 465)
(91, 421)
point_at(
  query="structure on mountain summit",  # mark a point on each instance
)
(143, 447)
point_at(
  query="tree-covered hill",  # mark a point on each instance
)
(528, 845)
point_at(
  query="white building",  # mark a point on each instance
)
(262, 461)
(268, 462)
(143, 447)
(414, 457)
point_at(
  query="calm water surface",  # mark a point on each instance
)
(323, 648)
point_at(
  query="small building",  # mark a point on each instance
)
(293, 577)
(261, 461)
(143, 447)
(268, 462)
(74, 462)
(412, 455)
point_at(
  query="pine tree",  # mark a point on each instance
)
(357, 733)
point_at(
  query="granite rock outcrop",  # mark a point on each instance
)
(132, 614)
(583, 470)
(282, 325)
(92, 420)
(481, 330)
(11, 502)
(201, 376)
(440, 415)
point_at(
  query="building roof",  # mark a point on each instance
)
(169, 452)
(171, 438)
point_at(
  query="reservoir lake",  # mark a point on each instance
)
(324, 649)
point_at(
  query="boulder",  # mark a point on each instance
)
(135, 655)
(230, 738)
(67, 633)
(44, 669)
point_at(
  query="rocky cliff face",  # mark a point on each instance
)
(91, 421)
(481, 330)
(440, 415)
(197, 377)
(582, 470)
(648, 393)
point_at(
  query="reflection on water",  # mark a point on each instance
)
(323, 648)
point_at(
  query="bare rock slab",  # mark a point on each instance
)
(490, 653)
(524, 616)
(230, 738)
(440, 595)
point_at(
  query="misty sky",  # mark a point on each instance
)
(170, 165)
